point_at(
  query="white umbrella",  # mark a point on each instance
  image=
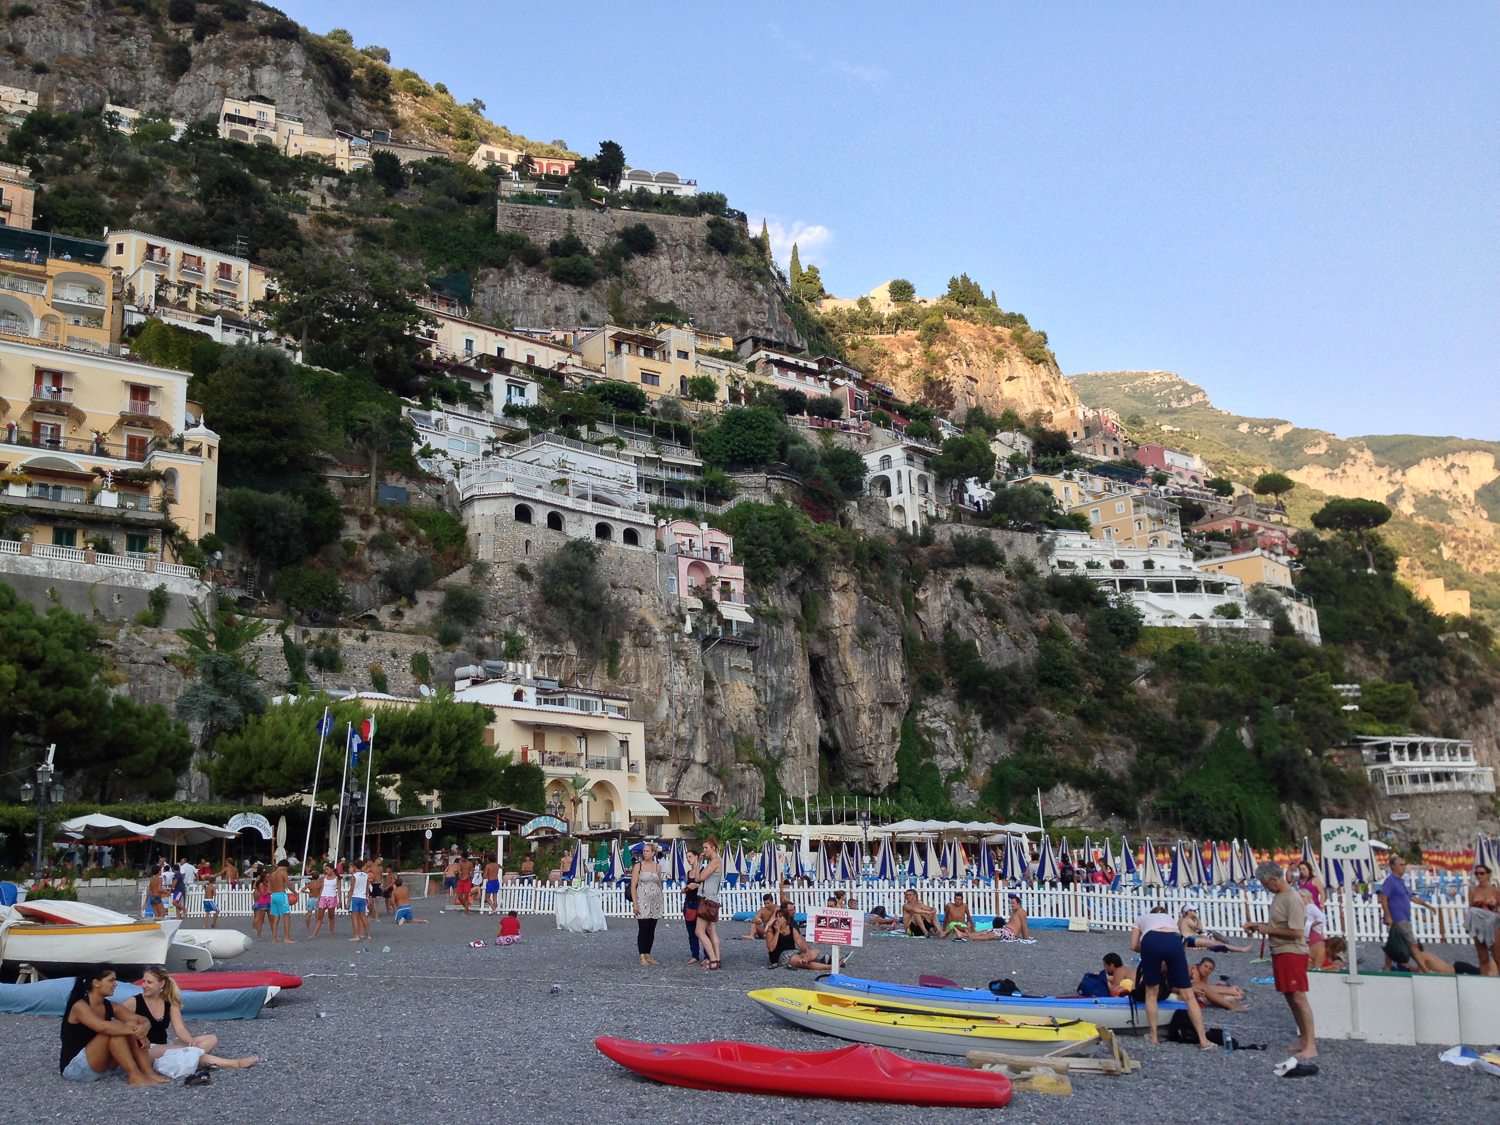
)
(731, 862)
(934, 863)
(1151, 868)
(177, 830)
(1220, 873)
(98, 826)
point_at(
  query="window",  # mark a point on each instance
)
(650, 379)
(468, 345)
(64, 537)
(456, 443)
(119, 248)
(499, 351)
(1138, 525)
(472, 447)
(681, 354)
(885, 462)
(523, 514)
(1094, 516)
(603, 531)
(137, 544)
(671, 583)
(136, 446)
(554, 521)
(531, 358)
(631, 537)
(1120, 508)
(1068, 493)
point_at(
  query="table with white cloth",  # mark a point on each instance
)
(580, 911)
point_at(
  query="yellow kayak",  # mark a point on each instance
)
(908, 1027)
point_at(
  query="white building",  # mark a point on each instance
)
(658, 183)
(901, 475)
(1411, 764)
(123, 119)
(556, 484)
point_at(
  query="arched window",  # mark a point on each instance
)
(523, 513)
(631, 537)
(885, 462)
(526, 547)
(554, 521)
(603, 531)
(520, 696)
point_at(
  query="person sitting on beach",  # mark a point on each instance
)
(787, 949)
(762, 918)
(1015, 925)
(958, 923)
(917, 918)
(1335, 954)
(510, 930)
(879, 921)
(401, 896)
(1120, 981)
(160, 1005)
(101, 1038)
(1219, 995)
(1195, 936)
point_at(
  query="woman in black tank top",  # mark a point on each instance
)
(159, 991)
(97, 1037)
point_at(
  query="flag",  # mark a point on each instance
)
(325, 724)
(367, 729)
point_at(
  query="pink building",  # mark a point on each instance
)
(1185, 468)
(705, 561)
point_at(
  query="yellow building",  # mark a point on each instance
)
(569, 733)
(96, 447)
(159, 270)
(255, 120)
(662, 361)
(17, 196)
(1251, 567)
(58, 291)
(494, 156)
(1445, 603)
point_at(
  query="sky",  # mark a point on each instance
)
(1291, 205)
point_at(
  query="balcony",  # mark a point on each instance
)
(191, 264)
(25, 285)
(140, 408)
(57, 396)
(227, 277)
(79, 295)
(159, 257)
(91, 447)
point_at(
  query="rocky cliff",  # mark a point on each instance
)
(966, 365)
(1445, 491)
(723, 294)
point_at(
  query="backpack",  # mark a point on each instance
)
(629, 895)
(1006, 987)
(1396, 947)
(1094, 984)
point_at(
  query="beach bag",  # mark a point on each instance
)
(1396, 947)
(1006, 987)
(629, 896)
(1094, 984)
(689, 913)
(178, 1062)
(1181, 1029)
(708, 910)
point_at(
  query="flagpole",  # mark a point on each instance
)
(338, 837)
(369, 766)
(313, 804)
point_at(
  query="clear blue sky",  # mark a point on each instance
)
(1293, 205)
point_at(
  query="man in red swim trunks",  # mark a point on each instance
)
(466, 882)
(1286, 928)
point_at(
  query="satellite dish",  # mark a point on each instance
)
(424, 689)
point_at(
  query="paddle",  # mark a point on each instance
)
(936, 982)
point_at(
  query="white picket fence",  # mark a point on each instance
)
(1224, 910)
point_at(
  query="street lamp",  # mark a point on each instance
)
(357, 800)
(864, 826)
(42, 792)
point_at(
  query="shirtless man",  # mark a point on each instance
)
(1120, 981)
(762, 919)
(1016, 923)
(1195, 936)
(958, 923)
(528, 870)
(917, 918)
(155, 893)
(401, 895)
(491, 886)
(377, 885)
(466, 882)
(230, 874)
(281, 908)
(450, 879)
(1219, 995)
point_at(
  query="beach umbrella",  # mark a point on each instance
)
(578, 863)
(1010, 864)
(740, 862)
(823, 870)
(770, 866)
(1088, 852)
(1307, 855)
(616, 871)
(849, 863)
(794, 860)
(177, 830)
(1150, 871)
(1220, 867)
(1046, 862)
(984, 862)
(677, 861)
(1195, 860)
(960, 861)
(1127, 860)
(100, 826)
(945, 859)
(933, 864)
(1180, 874)
(1250, 860)
(885, 861)
(731, 863)
(1064, 853)
(1237, 870)
(914, 861)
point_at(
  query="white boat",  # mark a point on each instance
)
(59, 938)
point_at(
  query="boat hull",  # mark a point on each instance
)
(1113, 1012)
(64, 950)
(933, 1031)
(857, 1074)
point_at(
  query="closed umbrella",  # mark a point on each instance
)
(1220, 872)
(1249, 859)
(578, 863)
(1127, 860)
(1088, 856)
(1150, 868)
(1237, 872)
(1307, 855)
(740, 863)
(770, 869)
(731, 864)
(984, 862)
(885, 861)
(934, 863)
(849, 866)
(1064, 853)
(616, 870)
(823, 871)
(1181, 873)
(914, 861)
(794, 857)
(677, 861)
(1046, 862)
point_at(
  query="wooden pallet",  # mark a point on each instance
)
(1119, 1063)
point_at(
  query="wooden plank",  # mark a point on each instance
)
(982, 1060)
(1074, 1048)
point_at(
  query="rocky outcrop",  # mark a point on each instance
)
(721, 293)
(969, 365)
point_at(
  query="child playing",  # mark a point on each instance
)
(510, 930)
(211, 903)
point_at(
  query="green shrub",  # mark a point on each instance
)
(309, 590)
(976, 550)
(514, 646)
(405, 576)
(326, 656)
(626, 397)
(378, 679)
(703, 388)
(421, 667)
(576, 271)
(53, 894)
(156, 608)
(579, 602)
(462, 604)
(449, 633)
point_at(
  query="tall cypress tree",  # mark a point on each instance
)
(794, 274)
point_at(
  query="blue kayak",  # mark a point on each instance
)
(1114, 1012)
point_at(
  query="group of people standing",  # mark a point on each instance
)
(700, 903)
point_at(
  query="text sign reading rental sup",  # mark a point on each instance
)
(1345, 839)
(836, 927)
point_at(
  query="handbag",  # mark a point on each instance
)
(708, 909)
(690, 914)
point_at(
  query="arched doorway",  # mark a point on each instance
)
(554, 521)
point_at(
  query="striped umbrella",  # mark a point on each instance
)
(886, 869)
(984, 862)
(851, 863)
(1110, 859)
(578, 863)
(914, 868)
(1220, 867)
(1250, 860)
(1307, 855)
(1012, 860)
(770, 867)
(945, 859)
(794, 860)
(732, 863)
(823, 870)
(1487, 851)
(1088, 856)
(1064, 853)
(933, 864)
(1150, 868)
(1046, 862)
(1181, 873)
(1127, 860)
(616, 870)
(677, 861)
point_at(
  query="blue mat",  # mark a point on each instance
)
(47, 997)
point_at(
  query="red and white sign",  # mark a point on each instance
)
(836, 927)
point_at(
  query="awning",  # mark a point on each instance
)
(694, 603)
(643, 803)
(731, 612)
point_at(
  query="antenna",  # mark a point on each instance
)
(425, 690)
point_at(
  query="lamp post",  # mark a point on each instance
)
(41, 792)
(864, 826)
(357, 798)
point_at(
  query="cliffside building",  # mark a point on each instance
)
(657, 183)
(1274, 572)
(1185, 468)
(900, 474)
(1445, 602)
(17, 196)
(255, 120)
(57, 291)
(163, 271)
(1415, 764)
(661, 361)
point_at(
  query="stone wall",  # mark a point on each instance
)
(100, 594)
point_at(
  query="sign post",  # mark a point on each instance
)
(834, 928)
(1347, 841)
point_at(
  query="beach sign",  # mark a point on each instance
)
(1345, 840)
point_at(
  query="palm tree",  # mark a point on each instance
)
(579, 787)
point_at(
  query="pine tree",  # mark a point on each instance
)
(794, 274)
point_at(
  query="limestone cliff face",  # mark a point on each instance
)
(971, 365)
(1454, 479)
(717, 291)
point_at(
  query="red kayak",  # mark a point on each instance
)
(859, 1073)
(213, 982)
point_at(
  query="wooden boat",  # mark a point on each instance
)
(1114, 1012)
(856, 1074)
(62, 949)
(909, 1028)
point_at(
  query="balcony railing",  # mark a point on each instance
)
(142, 408)
(227, 277)
(93, 447)
(23, 285)
(79, 296)
(191, 265)
(63, 396)
(157, 258)
(115, 562)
